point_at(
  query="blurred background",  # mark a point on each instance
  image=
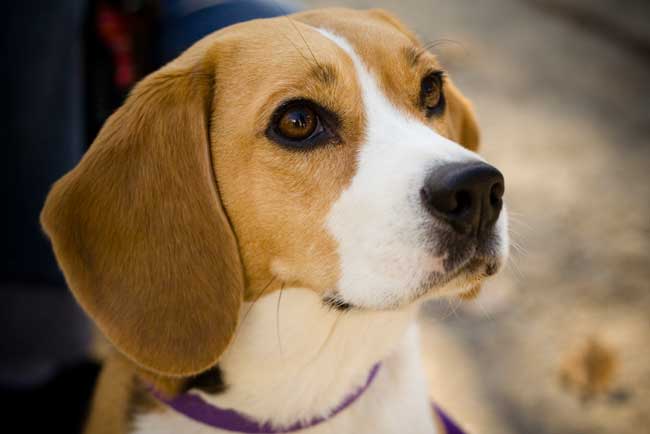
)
(557, 344)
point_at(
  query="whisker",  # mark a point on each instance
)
(257, 297)
(515, 234)
(293, 24)
(521, 250)
(277, 318)
(519, 227)
(306, 44)
(452, 308)
(512, 265)
(516, 213)
(429, 46)
(518, 220)
(296, 47)
(484, 311)
(447, 313)
(455, 307)
(329, 335)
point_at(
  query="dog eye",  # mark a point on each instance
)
(297, 123)
(432, 98)
(302, 124)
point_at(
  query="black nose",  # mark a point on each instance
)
(468, 196)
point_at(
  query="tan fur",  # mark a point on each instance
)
(183, 207)
(461, 123)
(276, 198)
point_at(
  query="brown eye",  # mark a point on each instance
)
(432, 99)
(302, 124)
(297, 123)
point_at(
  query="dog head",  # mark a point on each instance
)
(326, 151)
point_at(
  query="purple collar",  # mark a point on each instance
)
(449, 425)
(194, 407)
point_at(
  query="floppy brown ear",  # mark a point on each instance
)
(139, 230)
(462, 121)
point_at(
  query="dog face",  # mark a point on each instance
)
(326, 151)
(337, 207)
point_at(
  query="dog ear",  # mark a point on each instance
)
(140, 232)
(462, 123)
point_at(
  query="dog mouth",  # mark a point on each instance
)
(465, 267)
(467, 263)
(464, 281)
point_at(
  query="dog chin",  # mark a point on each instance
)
(464, 282)
(467, 281)
(465, 266)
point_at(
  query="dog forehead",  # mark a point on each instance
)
(269, 44)
(381, 41)
(369, 31)
(294, 42)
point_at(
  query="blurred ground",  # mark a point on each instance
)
(563, 99)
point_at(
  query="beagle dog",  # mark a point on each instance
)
(255, 228)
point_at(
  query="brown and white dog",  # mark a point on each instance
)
(260, 220)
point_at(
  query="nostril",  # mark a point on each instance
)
(449, 203)
(496, 194)
(425, 196)
(462, 202)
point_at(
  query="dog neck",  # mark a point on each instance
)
(295, 358)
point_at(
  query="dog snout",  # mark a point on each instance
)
(468, 196)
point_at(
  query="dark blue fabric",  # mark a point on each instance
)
(42, 136)
(42, 129)
(185, 22)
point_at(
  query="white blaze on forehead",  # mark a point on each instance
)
(378, 220)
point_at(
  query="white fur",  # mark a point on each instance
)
(302, 360)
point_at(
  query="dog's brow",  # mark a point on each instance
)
(412, 54)
(324, 73)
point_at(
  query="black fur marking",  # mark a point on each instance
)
(210, 381)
